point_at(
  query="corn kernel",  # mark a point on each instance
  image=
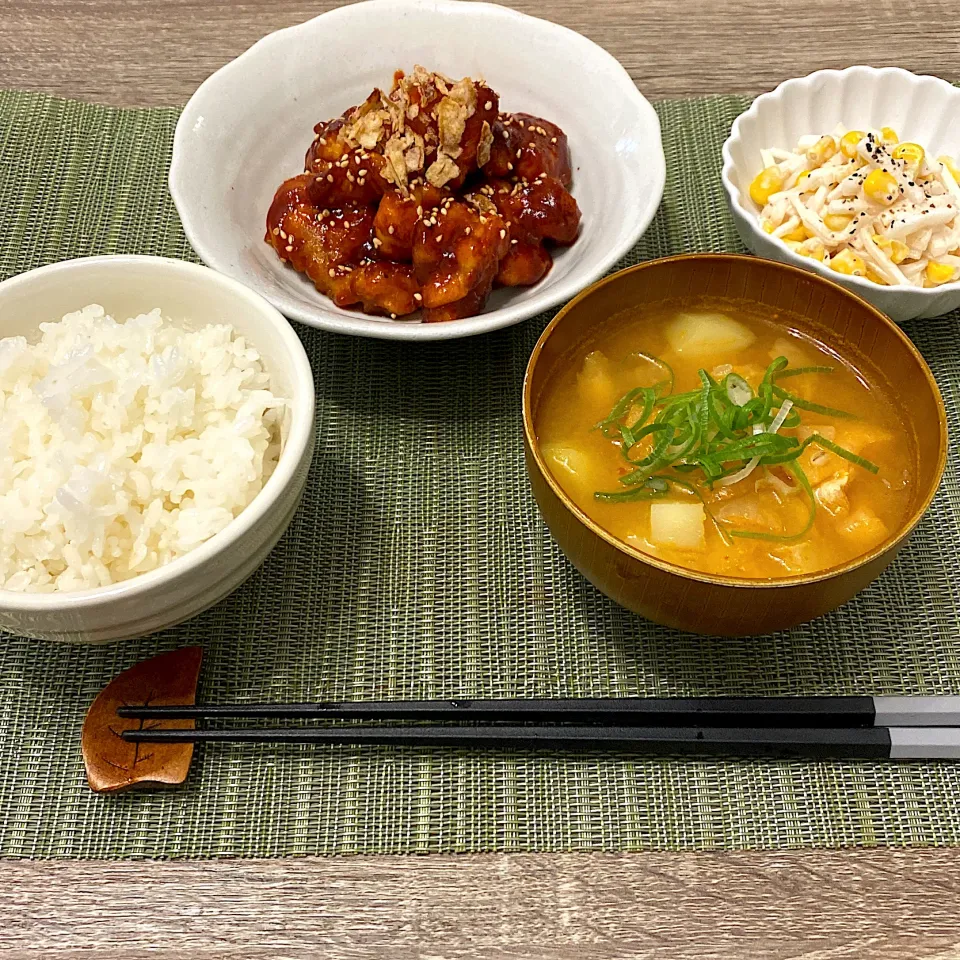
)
(822, 150)
(849, 141)
(794, 245)
(951, 165)
(799, 234)
(895, 249)
(837, 221)
(881, 187)
(889, 135)
(938, 273)
(801, 177)
(847, 262)
(767, 226)
(814, 249)
(875, 276)
(768, 181)
(911, 154)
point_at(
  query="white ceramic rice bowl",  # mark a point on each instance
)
(192, 296)
(248, 126)
(925, 110)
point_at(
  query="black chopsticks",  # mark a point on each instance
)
(814, 727)
(651, 711)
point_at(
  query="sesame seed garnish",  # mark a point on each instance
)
(519, 153)
(329, 178)
(323, 140)
(513, 242)
(332, 272)
(361, 173)
(553, 139)
(532, 129)
(276, 231)
(509, 166)
(488, 105)
(503, 234)
(377, 242)
(393, 316)
(288, 247)
(417, 297)
(439, 237)
(283, 235)
(468, 231)
(390, 229)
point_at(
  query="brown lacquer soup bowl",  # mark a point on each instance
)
(845, 326)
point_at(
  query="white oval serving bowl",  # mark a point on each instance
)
(925, 110)
(248, 126)
(194, 296)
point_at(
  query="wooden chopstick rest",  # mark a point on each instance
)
(116, 764)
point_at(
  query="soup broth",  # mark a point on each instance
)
(715, 436)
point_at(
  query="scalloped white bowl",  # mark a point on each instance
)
(247, 127)
(925, 110)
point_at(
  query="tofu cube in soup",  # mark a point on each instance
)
(678, 525)
(705, 334)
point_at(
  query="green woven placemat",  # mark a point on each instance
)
(419, 567)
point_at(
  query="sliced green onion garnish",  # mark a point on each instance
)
(810, 405)
(717, 433)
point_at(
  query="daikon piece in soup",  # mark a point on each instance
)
(713, 435)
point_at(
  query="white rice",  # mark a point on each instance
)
(124, 445)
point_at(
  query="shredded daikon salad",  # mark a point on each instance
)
(866, 205)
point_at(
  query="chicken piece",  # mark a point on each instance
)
(798, 558)
(468, 306)
(526, 146)
(863, 529)
(397, 217)
(331, 246)
(456, 255)
(344, 173)
(831, 494)
(537, 210)
(387, 288)
(325, 245)
(454, 119)
(525, 264)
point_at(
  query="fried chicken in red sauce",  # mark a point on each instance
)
(525, 146)
(539, 209)
(424, 198)
(456, 254)
(336, 250)
(526, 262)
(397, 218)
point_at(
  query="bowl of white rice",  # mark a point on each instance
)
(156, 431)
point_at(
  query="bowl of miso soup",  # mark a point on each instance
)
(727, 445)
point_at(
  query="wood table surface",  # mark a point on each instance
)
(770, 904)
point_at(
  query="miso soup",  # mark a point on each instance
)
(713, 435)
